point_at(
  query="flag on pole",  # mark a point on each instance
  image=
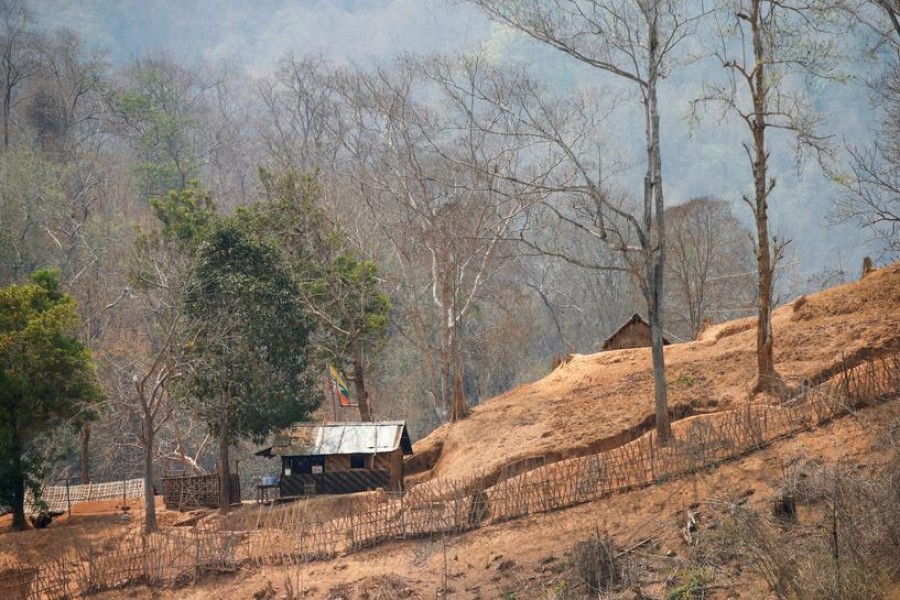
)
(339, 386)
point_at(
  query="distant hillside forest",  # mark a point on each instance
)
(434, 230)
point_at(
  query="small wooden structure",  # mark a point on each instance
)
(634, 333)
(340, 458)
(188, 492)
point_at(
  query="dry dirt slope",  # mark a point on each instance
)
(601, 400)
(530, 558)
(591, 402)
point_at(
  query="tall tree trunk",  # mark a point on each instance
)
(767, 379)
(85, 452)
(224, 470)
(420, 333)
(447, 374)
(359, 381)
(656, 257)
(460, 406)
(18, 505)
(447, 339)
(18, 492)
(150, 524)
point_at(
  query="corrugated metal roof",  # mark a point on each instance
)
(309, 439)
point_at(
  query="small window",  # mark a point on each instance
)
(357, 461)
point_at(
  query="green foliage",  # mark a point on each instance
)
(251, 353)
(685, 380)
(693, 587)
(47, 377)
(186, 214)
(155, 111)
(340, 287)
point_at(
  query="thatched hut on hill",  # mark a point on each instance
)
(634, 333)
(340, 458)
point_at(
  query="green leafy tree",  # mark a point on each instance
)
(250, 357)
(185, 213)
(47, 379)
(339, 287)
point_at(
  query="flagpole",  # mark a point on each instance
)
(333, 402)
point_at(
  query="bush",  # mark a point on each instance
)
(596, 564)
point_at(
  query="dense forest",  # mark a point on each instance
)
(437, 227)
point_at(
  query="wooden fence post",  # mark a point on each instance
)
(68, 498)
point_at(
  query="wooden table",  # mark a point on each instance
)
(262, 491)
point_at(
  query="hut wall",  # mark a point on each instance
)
(340, 478)
(342, 462)
(396, 470)
(335, 482)
(337, 463)
(636, 335)
(384, 461)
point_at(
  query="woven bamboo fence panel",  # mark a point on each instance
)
(58, 498)
(448, 507)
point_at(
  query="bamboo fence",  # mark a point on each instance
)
(273, 536)
(59, 498)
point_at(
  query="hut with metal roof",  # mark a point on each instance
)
(340, 458)
(634, 333)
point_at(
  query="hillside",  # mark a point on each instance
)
(531, 558)
(602, 400)
(591, 403)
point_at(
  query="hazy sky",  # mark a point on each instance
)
(256, 33)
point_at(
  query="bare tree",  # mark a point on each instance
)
(64, 104)
(445, 223)
(634, 41)
(19, 57)
(872, 197)
(159, 273)
(709, 265)
(760, 43)
(298, 105)
(892, 12)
